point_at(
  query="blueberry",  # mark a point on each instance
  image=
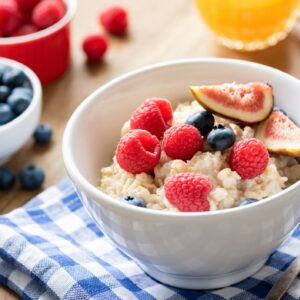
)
(23, 90)
(14, 78)
(4, 92)
(42, 134)
(247, 201)
(7, 178)
(18, 102)
(276, 107)
(3, 69)
(221, 138)
(134, 201)
(31, 177)
(203, 120)
(6, 113)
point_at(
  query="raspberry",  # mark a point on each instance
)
(154, 115)
(95, 47)
(249, 158)
(10, 18)
(25, 29)
(182, 141)
(47, 13)
(114, 20)
(138, 151)
(27, 5)
(188, 191)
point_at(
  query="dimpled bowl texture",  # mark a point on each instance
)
(15, 134)
(188, 250)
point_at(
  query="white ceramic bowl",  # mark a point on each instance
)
(14, 134)
(190, 250)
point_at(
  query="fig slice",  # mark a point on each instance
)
(280, 134)
(249, 103)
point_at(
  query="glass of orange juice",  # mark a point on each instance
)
(249, 24)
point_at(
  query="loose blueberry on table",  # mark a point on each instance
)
(43, 134)
(31, 177)
(7, 178)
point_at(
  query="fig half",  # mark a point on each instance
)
(280, 134)
(249, 103)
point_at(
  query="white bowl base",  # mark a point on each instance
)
(202, 282)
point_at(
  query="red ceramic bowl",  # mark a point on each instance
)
(46, 52)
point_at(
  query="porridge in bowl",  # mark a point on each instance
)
(227, 148)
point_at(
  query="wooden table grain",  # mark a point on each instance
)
(159, 31)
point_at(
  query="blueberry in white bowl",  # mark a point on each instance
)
(203, 120)
(20, 106)
(136, 201)
(4, 92)
(6, 114)
(247, 201)
(221, 138)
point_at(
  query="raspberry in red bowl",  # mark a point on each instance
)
(37, 34)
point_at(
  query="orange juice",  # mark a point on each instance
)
(249, 24)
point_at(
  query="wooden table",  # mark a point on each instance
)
(159, 31)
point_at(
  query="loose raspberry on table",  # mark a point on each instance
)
(249, 158)
(48, 12)
(114, 20)
(188, 191)
(138, 151)
(95, 46)
(154, 115)
(182, 141)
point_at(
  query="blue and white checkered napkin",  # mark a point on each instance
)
(50, 248)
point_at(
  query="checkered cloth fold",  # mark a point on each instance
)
(51, 249)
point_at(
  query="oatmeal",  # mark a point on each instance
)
(229, 187)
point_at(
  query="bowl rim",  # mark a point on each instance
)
(95, 193)
(71, 9)
(36, 88)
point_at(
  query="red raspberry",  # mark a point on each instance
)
(138, 151)
(114, 20)
(25, 29)
(154, 115)
(182, 141)
(95, 47)
(10, 18)
(249, 158)
(188, 191)
(27, 5)
(48, 12)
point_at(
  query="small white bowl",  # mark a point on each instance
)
(14, 134)
(202, 250)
